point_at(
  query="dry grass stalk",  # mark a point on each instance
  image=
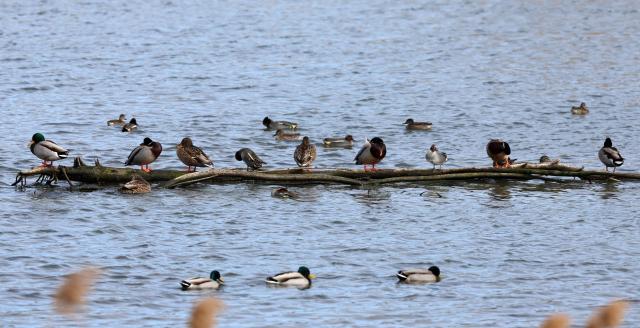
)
(204, 313)
(73, 290)
(559, 320)
(609, 316)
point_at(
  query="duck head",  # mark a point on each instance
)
(305, 141)
(121, 117)
(133, 121)
(408, 121)
(266, 121)
(37, 137)
(433, 147)
(215, 276)
(239, 155)
(544, 159)
(377, 141)
(435, 270)
(607, 142)
(348, 137)
(147, 141)
(186, 142)
(304, 271)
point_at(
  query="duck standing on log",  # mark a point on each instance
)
(191, 155)
(610, 156)
(499, 152)
(276, 125)
(145, 154)
(46, 150)
(305, 153)
(436, 157)
(250, 158)
(371, 153)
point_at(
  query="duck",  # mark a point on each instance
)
(283, 136)
(250, 158)
(120, 121)
(412, 125)
(436, 157)
(544, 159)
(499, 152)
(371, 153)
(580, 110)
(191, 155)
(137, 185)
(283, 192)
(610, 156)
(145, 154)
(214, 281)
(132, 125)
(275, 125)
(346, 142)
(301, 278)
(305, 153)
(419, 275)
(46, 150)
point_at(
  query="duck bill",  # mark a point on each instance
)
(312, 276)
(221, 280)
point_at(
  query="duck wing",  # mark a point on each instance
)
(364, 148)
(134, 153)
(49, 144)
(284, 277)
(612, 153)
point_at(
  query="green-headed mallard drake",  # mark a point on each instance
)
(419, 275)
(275, 125)
(436, 157)
(137, 185)
(301, 278)
(371, 153)
(346, 142)
(120, 121)
(499, 152)
(280, 135)
(132, 125)
(191, 155)
(145, 154)
(250, 158)
(610, 156)
(46, 150)
(413, 125)
(305, 153)
(580, 110)
(214, 281)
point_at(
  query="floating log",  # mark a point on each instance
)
(103, 175)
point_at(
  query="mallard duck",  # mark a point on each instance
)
(120, 121)
(214, 281)
(610, 156)
(371, 153)
(499, 152)
(345, 142)
(412, 125)
(419, 275)
(46, 150)
(544, 159)
(283, 192)
(302, 278)
(275, 125)
(250, 158)
(305, 153)
(145, 154)
(436, 157)
(191, 155)
(132, 125)
(580, 110)
(137, 185)
(283, 136)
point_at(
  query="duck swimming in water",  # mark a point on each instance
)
(214, 281)
(145, 154)
(191, 155)
(580, 110)
(436, 157)
(46, 150)
(346, 142)
(283, 136)
(276, 125)
(301, 278)
(371, 153)
(499, 152)
(132, 125)
(610, 156)
(250, 158)
(120, 121)
(305, 153)
(412, 125)
(419, 275)
(137, 185)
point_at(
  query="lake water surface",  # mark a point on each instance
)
(510, 252)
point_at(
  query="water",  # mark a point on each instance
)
(511, 253)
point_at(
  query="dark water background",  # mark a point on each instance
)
(511, 253)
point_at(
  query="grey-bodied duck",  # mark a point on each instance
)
(435, 156)
(214, 281)
(344, 142)
(46, 150)
(301, 278)
(413, 125)
(250, 158)
(191, 155)
(371, 153)
(275, 125)
(131, 126)
(145, 154)
(432, 274)
(610, 156)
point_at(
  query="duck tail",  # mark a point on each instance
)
(618, 162)
(65, 154)
(185, 285)
(401, 276)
